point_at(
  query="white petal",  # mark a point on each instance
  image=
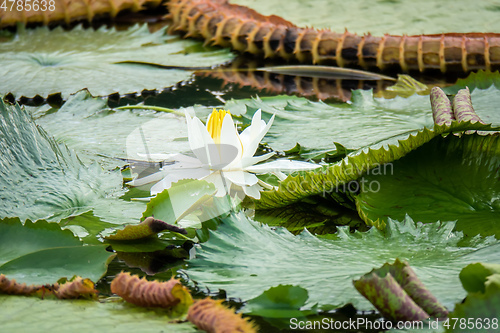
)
(186, 159)
(157, 157)
(282, 165)
(250, 147)
(254, 129)
(229, 135)
(281, 176)
(173, 177)
(183, 162)
(199, 139)
(223, 186)
(253, 191)
(249, 161)
(154, 177)
(240, 177)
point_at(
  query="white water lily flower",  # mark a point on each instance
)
(224, 157)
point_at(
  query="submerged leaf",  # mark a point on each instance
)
(404, 87)
(41, 61)
(327, 72)
(365, 120)
(245, 258)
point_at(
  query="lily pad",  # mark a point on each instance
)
(362, 122)
(278, 305)
(345, 175)
(245, 258)
(381, 17)
(447, 179)
(479, 311)
(278, 302)
(475, 276)
(42, 253)
(480, 79)
(41, 179)
(86, 124)
(105, 61)
(20, 314)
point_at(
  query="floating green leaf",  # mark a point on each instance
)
(87, 226)
(245, 258)
(362, 122)
(86, 124)
(283, 301)
(176, 202)
(42, 253)
(43, 180)
(278, 304)
(33, 237)
(447, 179)
(480, 79)
(474, 276)
(21, 314)
(42, 61)
(373, 159)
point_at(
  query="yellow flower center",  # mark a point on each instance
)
(214, 124)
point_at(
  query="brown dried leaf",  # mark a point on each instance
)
(151, 293)
(11, 287)
(213, 317)
(76, 288)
